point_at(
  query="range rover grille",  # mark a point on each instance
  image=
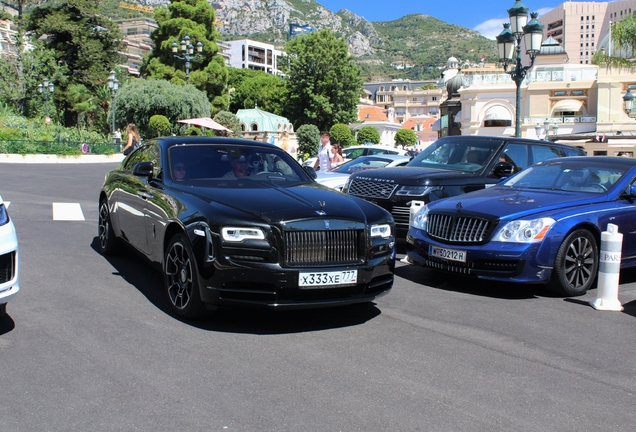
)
(458, 229)
(370, 189)
(317, 248)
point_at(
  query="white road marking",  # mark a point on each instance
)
(67, 212)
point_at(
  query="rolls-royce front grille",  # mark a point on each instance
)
(370, 189)
(7, 267)
(329, 247)
(458, 229)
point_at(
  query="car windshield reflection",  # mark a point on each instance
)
(568, 175)
(456, 155)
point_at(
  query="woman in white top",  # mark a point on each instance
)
(325, 155)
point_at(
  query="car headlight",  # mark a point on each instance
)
(4, 216)
(382, 230)
(238, 234)
(420, 219)
(524, 231)
(416, 190)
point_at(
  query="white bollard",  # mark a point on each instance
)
(609, 267)
(415, 206)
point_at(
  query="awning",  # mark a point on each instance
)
(440, 123)
(567, 105)
(205, 122)
(498, 112)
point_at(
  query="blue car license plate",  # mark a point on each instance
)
(448, 254)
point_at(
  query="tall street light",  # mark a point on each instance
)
(187, 51)
(509, 41)
(46, 87)
(113, 85)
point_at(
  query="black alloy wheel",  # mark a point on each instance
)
(108, 243)
(576, 264)
(181, 279)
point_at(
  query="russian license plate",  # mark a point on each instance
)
(448, 254)
(344, 277)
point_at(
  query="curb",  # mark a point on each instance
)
(43, 158)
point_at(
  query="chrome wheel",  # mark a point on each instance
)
(576, 264)
(181, 279)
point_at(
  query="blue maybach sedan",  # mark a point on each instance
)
(542, 225)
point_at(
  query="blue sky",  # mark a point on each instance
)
(485, 17)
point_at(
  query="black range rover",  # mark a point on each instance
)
(450, 166)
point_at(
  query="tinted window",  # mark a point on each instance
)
(517, 155)
(457, 155)
(352, 154)
(541, 153)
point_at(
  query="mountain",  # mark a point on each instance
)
(410, 47)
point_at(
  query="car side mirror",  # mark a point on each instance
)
(631, 190)
(504, 169)
(310, 171)
(144, 169)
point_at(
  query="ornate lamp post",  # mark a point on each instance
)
(187, 51)
(509, 41)
(46, 87)
(113, 85)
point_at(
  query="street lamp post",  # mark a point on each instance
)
(113, 85)
(46, 87)
(509, 41)
(187, 53)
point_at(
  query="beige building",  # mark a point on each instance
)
(580, 104)
(137, 42)
(583, 27)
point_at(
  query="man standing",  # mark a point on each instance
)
(117, 136)
(325, 155)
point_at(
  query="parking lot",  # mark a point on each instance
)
(90, 344)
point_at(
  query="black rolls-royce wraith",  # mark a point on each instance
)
(238, 222)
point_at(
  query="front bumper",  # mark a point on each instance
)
(509, 262)
(272, 286)
(9, 263)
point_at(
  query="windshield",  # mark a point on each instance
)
(576, 177)
(456, 155)
(232, 162)
(361, 164)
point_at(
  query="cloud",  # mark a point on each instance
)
(491, 28)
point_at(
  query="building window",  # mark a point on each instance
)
(414, 99)
(254, 127)
(434, 98)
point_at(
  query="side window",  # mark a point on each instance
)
(516, 154)
(136, 157)
(573, 151)
(355, 153)
(377, 151)
(541, 153)
(154, 156)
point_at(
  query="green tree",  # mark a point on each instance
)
(138, 100)
(368, 134)
(85, 44)
(208, 73)
(323, 83)
(340, 134)
(230, 121)
(624, 44)
(159, 125)
(405, 137)
(249, 88)
(308, 137)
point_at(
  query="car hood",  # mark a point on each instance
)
(501, 201)
(414, 175)
(275, 204)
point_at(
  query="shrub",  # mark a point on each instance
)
(159, 125)
(368, 134)
(405, 137)
(308, 137)
(340, 134)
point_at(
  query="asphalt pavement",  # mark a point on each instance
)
(89, 344)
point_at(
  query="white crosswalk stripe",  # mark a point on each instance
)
(67, 212)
